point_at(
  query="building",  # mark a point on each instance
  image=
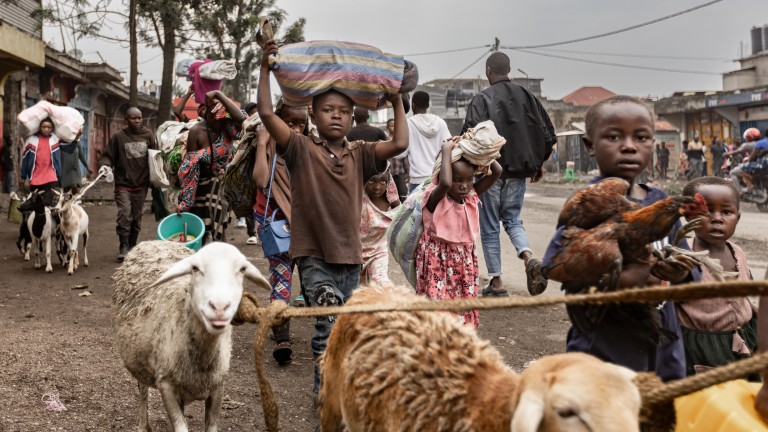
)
(21, 47)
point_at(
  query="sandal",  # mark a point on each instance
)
(490, 292)
(537, 283)
(298, 301)
(283, 353)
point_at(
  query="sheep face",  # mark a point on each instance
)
(217, 273)
(576, 392)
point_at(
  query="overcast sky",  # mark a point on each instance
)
(418, 26)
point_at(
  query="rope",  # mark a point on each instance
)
(657, 396)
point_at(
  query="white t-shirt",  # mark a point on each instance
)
(426, 135)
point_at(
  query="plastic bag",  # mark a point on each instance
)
(405, 231)
(67, 122)
(157, 176)
(182, 67)
(31, 117)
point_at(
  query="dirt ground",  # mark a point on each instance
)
(56, 340)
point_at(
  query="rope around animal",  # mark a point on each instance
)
(656, 395)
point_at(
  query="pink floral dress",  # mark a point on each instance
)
(446, 257)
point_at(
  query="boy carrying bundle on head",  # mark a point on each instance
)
(327, 178)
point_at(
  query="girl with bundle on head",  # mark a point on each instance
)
(446, 258)
(208, 151)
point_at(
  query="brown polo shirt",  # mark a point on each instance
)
(326, 197)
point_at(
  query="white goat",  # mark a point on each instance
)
(73, 224)
(424, 371)
(174, 334)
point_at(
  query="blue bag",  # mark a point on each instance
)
(275, 235)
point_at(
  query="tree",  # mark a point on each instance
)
(228, 29)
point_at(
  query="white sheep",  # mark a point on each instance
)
(175, 334)
(424, 371)
(72, 225)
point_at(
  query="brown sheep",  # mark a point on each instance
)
(424, 371)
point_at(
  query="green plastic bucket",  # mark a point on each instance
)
(173, 225)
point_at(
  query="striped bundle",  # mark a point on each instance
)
(364, 73)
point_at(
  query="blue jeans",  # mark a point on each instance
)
(502, 202)
(316, 274)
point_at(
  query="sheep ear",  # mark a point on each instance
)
(181, 268)
(254, 275)
(529, 412)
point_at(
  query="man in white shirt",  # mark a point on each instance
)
(426, 134)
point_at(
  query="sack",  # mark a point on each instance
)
(157, 176)
(31, 117)
(364, 73)
(239, 187)
(405, 231)
(67, 122)
(275, 236)
(167, 134)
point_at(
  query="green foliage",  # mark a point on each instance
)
(228, 28)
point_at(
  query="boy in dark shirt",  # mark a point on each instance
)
(126, 155)
(327, 177)
(364, 131)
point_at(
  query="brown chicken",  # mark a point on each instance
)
(604, 231)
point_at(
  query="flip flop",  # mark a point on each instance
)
(537, 283)
(490, 292)
(283, 353)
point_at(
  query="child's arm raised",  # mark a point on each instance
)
(275, 126)
(486, 182)
(233, 110)
(446, 177)
(399, 142)
(261, 169)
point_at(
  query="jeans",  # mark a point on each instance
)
(736, 173)
(412, 187)
(317, 278)
(697, 166)
(502, 202)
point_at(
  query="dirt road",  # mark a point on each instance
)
(56, 341)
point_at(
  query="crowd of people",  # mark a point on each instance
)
(338, 188)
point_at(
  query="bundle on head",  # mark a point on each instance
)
(424, 371)
(172, 313)
(479, 145)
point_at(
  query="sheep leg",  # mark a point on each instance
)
(213, 408)
(85, 253)
(173, 406)
(143, 416)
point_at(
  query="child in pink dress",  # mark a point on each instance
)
(446, 257)
(380, 198)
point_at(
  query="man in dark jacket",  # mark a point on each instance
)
(127, 156)
(520, 118)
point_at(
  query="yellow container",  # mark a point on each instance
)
(727, 407)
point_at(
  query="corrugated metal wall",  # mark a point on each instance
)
(19, 15)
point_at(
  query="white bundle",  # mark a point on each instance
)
(67, 121)
(218, 70)
(167, 134)
(479, 145)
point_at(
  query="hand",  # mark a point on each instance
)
(673, 272)
(262, 136)
(539, 174)
(395, 99)
(450, 143)
(211, 95)
(191, 90)
(79, 134)
(270, 48)
(178, 212)
(105, 170)
(90, 174)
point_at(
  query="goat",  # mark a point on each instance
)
(73, 224)
(424, 371)
(41, 225)
(174, 334)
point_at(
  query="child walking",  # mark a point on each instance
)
(327, 178)
(718, 331)
(619, 136)
(379, 202)
(280, 265)
(446, 257)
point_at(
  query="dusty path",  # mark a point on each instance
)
(56, 341)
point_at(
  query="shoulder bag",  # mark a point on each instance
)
(275, 235)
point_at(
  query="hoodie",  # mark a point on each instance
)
(426, 134)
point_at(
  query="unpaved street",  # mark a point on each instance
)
(56, 341)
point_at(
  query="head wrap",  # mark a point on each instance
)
(479, 145)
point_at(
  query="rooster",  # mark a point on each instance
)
(604, 231)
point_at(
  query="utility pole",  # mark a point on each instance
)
(496, 44)
(133, 99)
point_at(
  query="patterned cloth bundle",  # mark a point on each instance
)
(364, 73)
